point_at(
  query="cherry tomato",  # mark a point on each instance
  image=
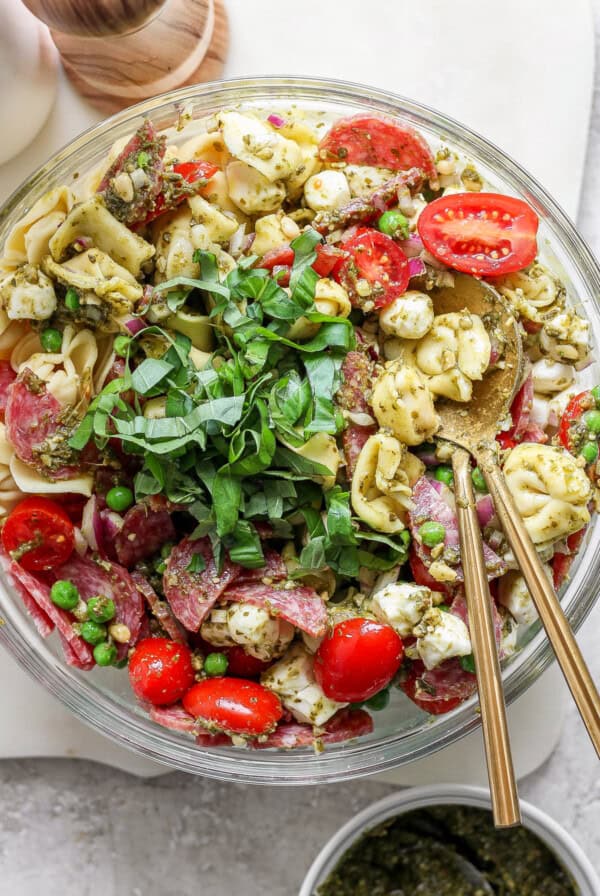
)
(358, 659)
(190, 172)
(234, 705)
(280, 256)
(438, 690)
(421, 574)
(561, 563)
(485, 234)
(242, 665)
(376, 266)
(378, 141)
(160, 671)
(505, 439)
(38, 534)
(577, 406)
(328, 261)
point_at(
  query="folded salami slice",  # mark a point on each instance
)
(441, 689)
(354, 439)
(146, 527)
(192, 595)
(71, 657)
(430, 505)
(101, 577)
(459, 608)
(174, 717)
(7, 378)
(42, 621)
(357, 377)
(345, 725)
(33, 416)
(159, 609)
(78, 653)
(298, 605)
(274, 569)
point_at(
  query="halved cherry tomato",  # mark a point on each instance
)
(280, 256)
(190, 172)
(38, 534)
(378, 141)
(421, 574)
(505, 440)
(376, 270)
(234, 705)
(160, 671)
(561, 563)
(242, 665)
(485, 234)
(358, 659)
(573, 412)
(328, 261)
(439, 690)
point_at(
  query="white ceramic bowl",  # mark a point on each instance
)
(548, 830)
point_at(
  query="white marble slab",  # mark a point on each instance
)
(502, 73)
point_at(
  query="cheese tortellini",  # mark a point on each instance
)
(382, 483)
(452, 355)
(28, 241)
(403, 404)
(67, 373)
(550, 490)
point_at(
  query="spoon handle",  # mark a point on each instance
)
(553, 619)
(503, 787)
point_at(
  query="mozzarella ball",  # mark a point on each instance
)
(409, 317)
(326, 190)
(401, 605)
(442, 635)
(551, 376)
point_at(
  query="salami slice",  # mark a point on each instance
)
(274, 570)
(42, 621)
(101, 577)
(346, 724)
(33, 416)
(192, 595)
(354, 439)
(174, 717)
(438, 690)
(378, 141)
(300, 606)
(7, 378)
(357, 378)
(148, 143)
(159, 609)
(40, 593)
(146, 527)
(207, 739)
(459, 608)
(72, 659)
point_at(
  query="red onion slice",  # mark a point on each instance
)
(412, 246)
(416, 267)
(276, 120)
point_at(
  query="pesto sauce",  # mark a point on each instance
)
(448, 851)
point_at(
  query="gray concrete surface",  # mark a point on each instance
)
(70, 828)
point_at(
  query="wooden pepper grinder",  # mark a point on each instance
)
(119, 52)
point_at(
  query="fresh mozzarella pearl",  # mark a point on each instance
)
(443, 636)
(551, 376)
(401, 605)
(326, 190)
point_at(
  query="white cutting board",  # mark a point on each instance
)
(521, 73)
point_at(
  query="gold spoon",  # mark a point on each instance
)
(475, 433)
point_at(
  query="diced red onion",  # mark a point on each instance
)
(82, 243)
(237, 241)
(416, 267)
(495, 539)
(135, 324)
(81, 545)
(432, 261)
(412, 246)
(247, 242)
(90, 523)
(428, 457)
(99, 527)
(276, 120)
(485, 510)
(496, 352)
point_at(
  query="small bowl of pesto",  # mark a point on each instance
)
(441, 841)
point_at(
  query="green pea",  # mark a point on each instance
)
(468, 663)
(596, 395)
(589, 452)
(393, 223)
(93, 632)
(216, 664)
(101, 609)
(379, 700)
(444, 608)
(64, 594)
(432, 533)
(166, 549)
(121, 345)
(119, 498)
(51, 339)
(478, 480)
(105, 654)
(592, 421)
(143, 159)
(72, 299)
(444, 474)
(160, 567)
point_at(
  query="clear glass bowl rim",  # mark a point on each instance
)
(342, 762)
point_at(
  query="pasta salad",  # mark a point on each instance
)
(219, 366)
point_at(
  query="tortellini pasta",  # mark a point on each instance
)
(10, 494)
(210, 147)
(566, 338)
(258, 145)
(410, 316)
(68, 373)
(382, 483)
(30, 482)
(251, 191)
(28, 240)
(273, 231)
(92, 219)
(550, 376)
(218, 226)
(550, 490)
(322, 449)
(95, 275)
(402, 403)
(532, 293)
(454, 353)
(12, 334)
(331, 298)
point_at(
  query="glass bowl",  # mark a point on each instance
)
(402, 732)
